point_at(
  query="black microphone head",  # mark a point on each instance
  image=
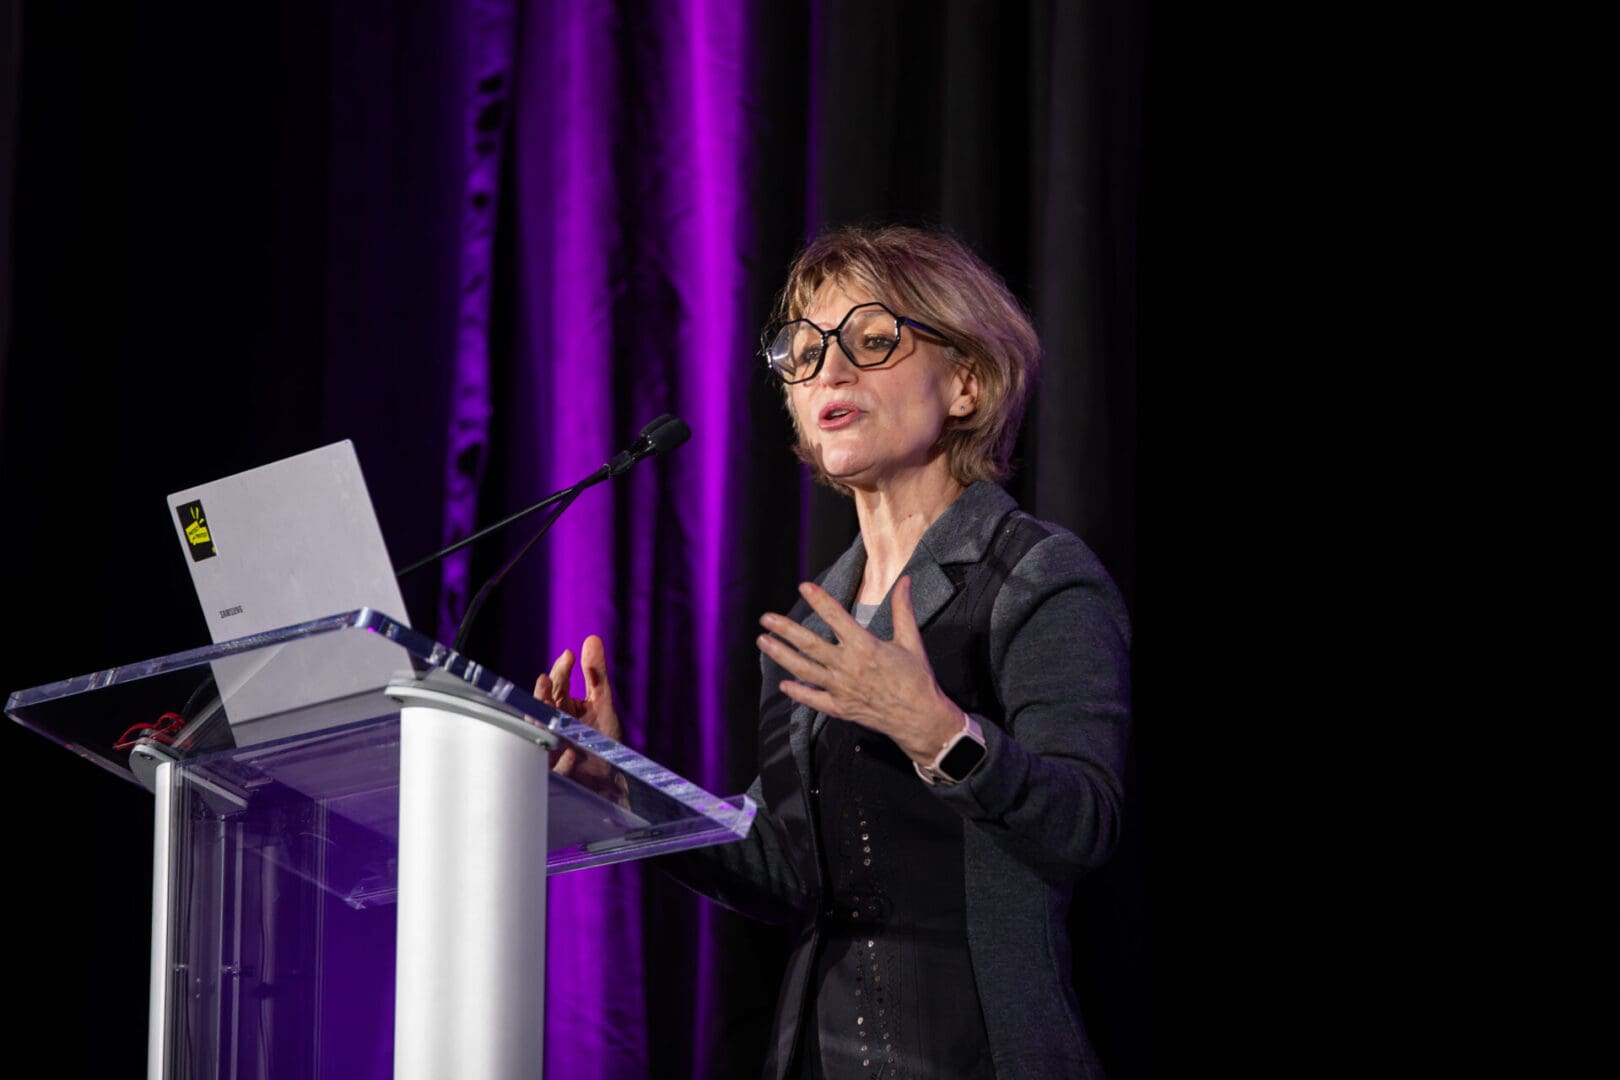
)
(671, 433)
(654, 425)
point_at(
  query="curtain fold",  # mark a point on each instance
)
(663, 168)
(489, 240)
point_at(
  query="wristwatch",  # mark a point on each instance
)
(959, 757)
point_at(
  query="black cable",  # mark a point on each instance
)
(478, 599)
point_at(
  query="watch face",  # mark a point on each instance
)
(962, 759)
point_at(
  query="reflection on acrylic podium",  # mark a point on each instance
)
(355, 887)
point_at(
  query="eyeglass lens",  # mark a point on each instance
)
(868, 335)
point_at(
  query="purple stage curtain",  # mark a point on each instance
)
(488, 240)
(624, 186)
(660, 163)
(489, 30)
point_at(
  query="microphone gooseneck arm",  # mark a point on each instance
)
(658, 437)
(670, 430)
(554, 497)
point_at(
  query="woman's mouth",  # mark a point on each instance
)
(838, 414)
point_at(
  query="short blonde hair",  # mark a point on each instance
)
(933, 277)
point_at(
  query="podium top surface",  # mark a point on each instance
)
(204, 710)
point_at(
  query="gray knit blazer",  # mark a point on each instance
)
(1041, 658)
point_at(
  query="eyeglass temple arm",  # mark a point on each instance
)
(925, 328)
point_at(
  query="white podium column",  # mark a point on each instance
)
(469, 997)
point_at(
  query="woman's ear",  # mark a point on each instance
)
(967, 392)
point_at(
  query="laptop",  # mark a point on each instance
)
(283, 544)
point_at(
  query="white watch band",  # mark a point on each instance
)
(931, 773)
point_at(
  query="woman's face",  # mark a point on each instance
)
(871, 427)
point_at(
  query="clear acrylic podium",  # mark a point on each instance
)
(356, 888)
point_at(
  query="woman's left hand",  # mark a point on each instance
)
(596, 709)
(887, 686)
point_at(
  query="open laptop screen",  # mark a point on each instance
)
(282, 544)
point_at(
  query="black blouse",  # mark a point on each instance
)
(894, 994)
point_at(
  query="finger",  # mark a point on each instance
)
(821, 601)
(797, 664)
(594, 657)
(800, 637)
(566, 762)
(545, 692)
(819, 700)
(562, 673)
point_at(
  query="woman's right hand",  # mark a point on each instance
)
(595, 708)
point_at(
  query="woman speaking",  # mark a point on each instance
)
(945, 710)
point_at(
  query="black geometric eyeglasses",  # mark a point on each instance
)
(868, 334)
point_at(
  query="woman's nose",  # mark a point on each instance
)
(835, 366)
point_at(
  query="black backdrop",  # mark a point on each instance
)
(233, 238)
